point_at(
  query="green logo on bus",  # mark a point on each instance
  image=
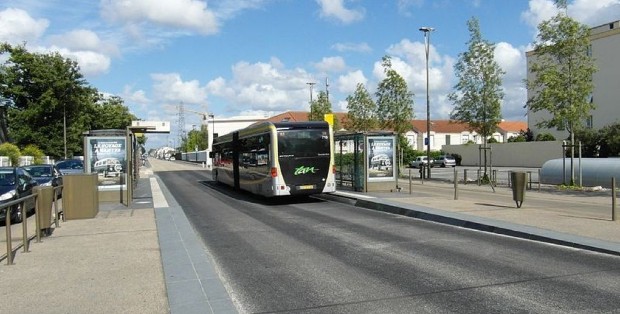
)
(303, 170)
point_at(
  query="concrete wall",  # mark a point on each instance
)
(519, 154)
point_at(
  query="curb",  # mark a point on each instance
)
(478, 223)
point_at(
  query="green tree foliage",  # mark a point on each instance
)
(518, 138)
(545, 137)
(11, 151)
(562, 75)
(43, 90)
(319, 107)
(478, 94)
(196, 139)
(111, 113)
(35, 152)
(362, 111)
(610, 145)
(394, 101)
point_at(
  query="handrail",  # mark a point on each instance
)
(9, 256)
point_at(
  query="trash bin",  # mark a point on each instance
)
(518, 187)
(80, 198)
(45, 199)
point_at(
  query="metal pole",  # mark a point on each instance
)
(409, 181)
(9, 244)
(427, 41)
(64, 127)
(456, 185)
(613, 199)
(580, 174)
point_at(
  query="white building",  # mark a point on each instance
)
(605, 42)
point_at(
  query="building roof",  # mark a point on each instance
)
(437, 126)
(302, 116)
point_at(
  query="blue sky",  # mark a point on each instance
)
(254, 57)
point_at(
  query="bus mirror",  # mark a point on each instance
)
(211, 154)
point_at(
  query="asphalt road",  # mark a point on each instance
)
(310, 256)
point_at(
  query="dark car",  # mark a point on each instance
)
(45, 175)
(69, 166)
(16, 182)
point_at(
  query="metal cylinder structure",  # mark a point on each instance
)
(588, 171)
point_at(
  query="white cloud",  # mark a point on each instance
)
(356, 47)
(191, 15)
(592, 13)
(91, 63)
(169, 87)
(17, 26)
(331, 64)
(336, 9)
(82, 39)
(348, 83)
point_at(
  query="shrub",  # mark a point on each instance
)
(35, 152)
(11, 151)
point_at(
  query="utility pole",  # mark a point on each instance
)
(311, 84)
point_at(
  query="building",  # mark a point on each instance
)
(443, 132)
(605, 44)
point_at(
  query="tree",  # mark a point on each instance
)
(478, 94)
(394, 104)
(35, 152)
(111, 113)
(11, 151)
(320, 107)
(42, 92)
(362, 111)
(562, 71)
(394, 101)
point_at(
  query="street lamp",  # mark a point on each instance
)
(212, 116)
(311, 84)
(427, 41)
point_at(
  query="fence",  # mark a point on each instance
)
(31, 227)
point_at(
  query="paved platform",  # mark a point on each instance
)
(145, 258)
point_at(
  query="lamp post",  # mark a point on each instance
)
(427, 41)
(64, 127)
(212, 116)
(311, 84)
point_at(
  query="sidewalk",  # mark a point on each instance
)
(577, 219)
(145, 258)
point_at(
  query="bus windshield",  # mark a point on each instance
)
(303, 143)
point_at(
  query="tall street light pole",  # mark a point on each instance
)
(427, 41)
(311, 84)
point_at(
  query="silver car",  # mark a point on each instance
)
(445, 161)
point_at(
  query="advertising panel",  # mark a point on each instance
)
(107, 157)
(381, 157)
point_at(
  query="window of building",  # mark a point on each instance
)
(589, 122)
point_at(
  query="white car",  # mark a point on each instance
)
(445, 161)
(420, 161)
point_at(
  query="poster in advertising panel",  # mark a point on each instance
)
(107, 157)
(381, 156)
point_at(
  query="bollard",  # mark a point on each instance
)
(456, 185)
(613, 200)
(518, 187)
(409, 181)
(9, 244)
(25, 240)
(464, 176)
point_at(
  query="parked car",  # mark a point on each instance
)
(445, 161)
(45, 175)
(16, 182)
(69, 166)
(419, 161)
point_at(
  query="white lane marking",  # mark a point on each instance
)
(159, 200)
(353, 195)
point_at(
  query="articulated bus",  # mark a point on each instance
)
(277, 159)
